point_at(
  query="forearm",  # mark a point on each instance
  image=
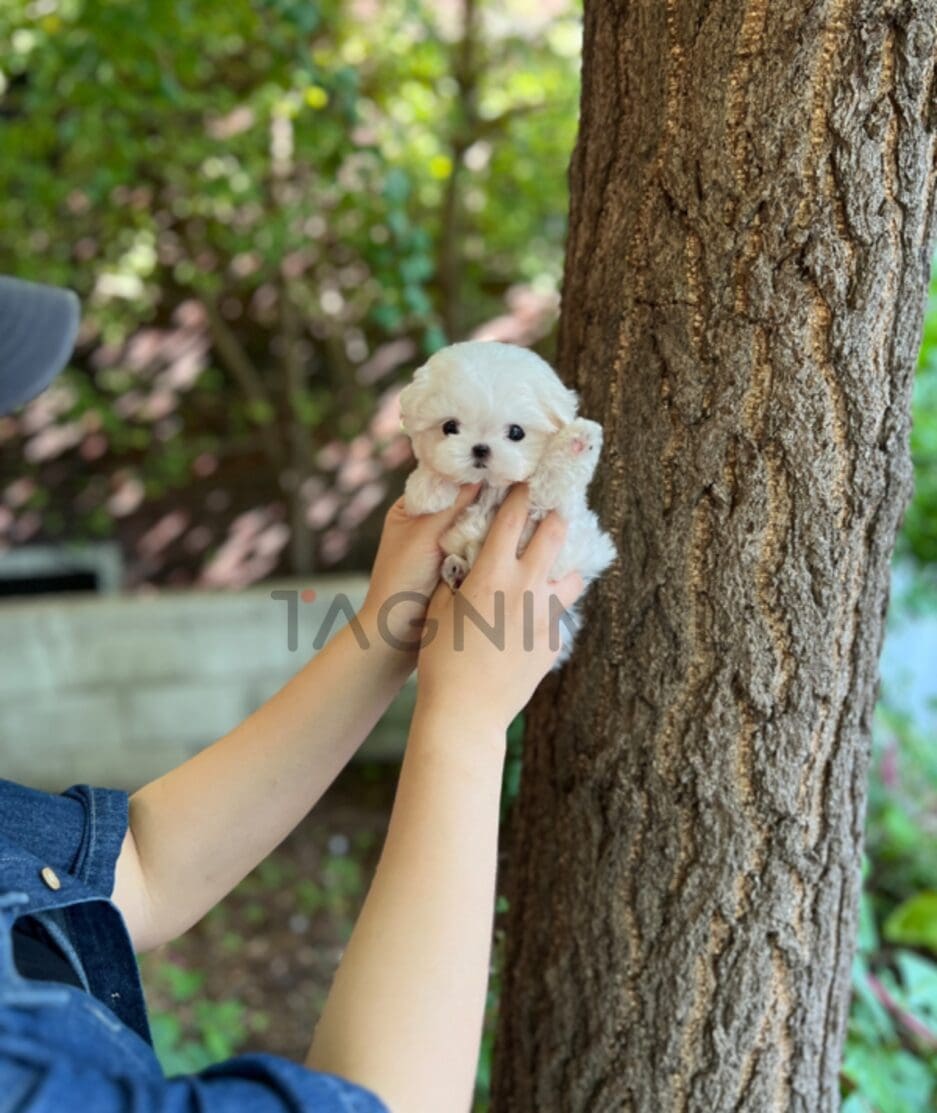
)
(404, 1016)
(199, 829)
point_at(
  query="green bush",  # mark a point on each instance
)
(305, 185)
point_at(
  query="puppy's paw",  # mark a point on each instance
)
(567, 466)
(454, 570)
(581, 441)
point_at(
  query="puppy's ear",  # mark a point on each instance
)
(412, 401)
(559, 402)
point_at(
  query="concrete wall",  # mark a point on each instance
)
(118, 690)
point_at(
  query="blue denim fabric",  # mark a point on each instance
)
(64, 1048)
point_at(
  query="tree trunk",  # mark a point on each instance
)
(752, 219)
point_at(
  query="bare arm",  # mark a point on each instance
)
(199, 829)
(404, 1015)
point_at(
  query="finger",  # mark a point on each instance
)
(545, 544)
(505, 533)
(568, 589)
(397, 510)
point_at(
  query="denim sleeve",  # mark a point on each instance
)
(257, 1083)
(106, 813)
(79, 831)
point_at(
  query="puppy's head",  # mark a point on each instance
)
(482, 410)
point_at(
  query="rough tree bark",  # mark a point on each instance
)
(752, 220)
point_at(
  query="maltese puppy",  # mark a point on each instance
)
(482, 410)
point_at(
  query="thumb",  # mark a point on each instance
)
(568, 589)
(443, 519)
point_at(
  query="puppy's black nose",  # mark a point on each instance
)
(480, 451)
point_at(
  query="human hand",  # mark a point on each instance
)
(465, 669)
(406, 569)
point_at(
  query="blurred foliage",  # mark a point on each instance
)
(890, 1060)
(270, 209)
(268, 192)
(216, 1029)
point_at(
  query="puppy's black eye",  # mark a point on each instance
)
(451, 426)
(515, 433)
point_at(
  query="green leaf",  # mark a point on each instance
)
(183, 984)
(259, 412)
(914, 923)
(919, 981)
(893, 1081)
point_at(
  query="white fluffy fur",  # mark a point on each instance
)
(486, 387)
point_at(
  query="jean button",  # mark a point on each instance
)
(50, 877)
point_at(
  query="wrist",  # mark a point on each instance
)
(460, 716)
(390, 644)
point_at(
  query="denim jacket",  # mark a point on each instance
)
(64, 1048)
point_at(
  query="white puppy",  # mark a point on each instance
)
(482, 410)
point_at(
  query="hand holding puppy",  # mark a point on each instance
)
(406, 568)
(471, 671)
